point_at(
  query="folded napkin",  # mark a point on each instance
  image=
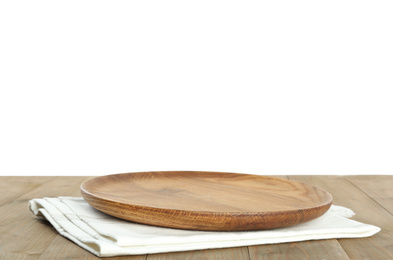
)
(105, 236)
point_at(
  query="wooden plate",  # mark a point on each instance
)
(206, 200)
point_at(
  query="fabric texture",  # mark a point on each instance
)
(106, 236)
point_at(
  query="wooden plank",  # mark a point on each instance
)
(318, 249)
(378, 187)
(13, 187)
(16, 210)
(368, 211)
(15, 256)
(19, 224)
(35, 179)
(235, 253)
(62, 248)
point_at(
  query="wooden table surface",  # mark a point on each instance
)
(23, 236)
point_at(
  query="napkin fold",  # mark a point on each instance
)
(106, 236)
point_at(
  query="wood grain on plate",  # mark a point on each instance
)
(206, 200)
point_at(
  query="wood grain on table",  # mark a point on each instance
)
(24, 236)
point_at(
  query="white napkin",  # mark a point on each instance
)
(104, 235)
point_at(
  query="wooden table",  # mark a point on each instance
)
(23, 236)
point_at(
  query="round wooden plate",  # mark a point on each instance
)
(206, 200)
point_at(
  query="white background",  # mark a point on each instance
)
(275, 87)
